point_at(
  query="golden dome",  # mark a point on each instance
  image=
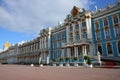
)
(6, 45)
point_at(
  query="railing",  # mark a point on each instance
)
(76, 42)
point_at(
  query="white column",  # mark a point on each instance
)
(76, 51)
(83, 51)
(73, 25)
(67, 27)
(80, 29)
(45, 42)
(88, 25)
(68, 52)
(62, 55)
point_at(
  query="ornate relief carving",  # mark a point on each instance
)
(87, 17)
(74, 11)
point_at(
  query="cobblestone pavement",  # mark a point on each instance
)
(23, 72)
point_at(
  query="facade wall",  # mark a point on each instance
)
(82, 33)
(106, 31)
(57, 38)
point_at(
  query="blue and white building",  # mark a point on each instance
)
(106, 31)
(83, 33)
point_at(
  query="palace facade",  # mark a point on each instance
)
(83, 33)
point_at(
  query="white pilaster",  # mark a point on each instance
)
(76, 51)
(73, 26)
(68, 52)
(88, 25)
(67, 27)
(45, 42)
(83, 52)
(80, 25)
(62, 55)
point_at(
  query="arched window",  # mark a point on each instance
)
(119, 47)
(117, 31)
(107, 33)
(105, 22)
(71, 28)
(85, 35)
(109, 48)
(83, 24)
(77, 26)
(115, 19)
(96, 25)
(100, 49)
(98, 36)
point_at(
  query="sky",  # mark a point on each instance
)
(22, 20)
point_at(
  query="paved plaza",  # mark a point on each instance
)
(26, 72)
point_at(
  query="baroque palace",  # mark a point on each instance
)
(82, 33)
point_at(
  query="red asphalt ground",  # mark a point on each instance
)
(23, 72)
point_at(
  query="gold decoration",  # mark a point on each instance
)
(106, 28)
(75, 11)
(116, 25)
(87, 17)
(7, 45)
(79, 19)
(97, 30)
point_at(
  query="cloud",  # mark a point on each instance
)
(30, 16)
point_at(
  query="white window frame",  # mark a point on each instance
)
(107, 50)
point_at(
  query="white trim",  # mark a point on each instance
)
(107, 25)
(99, 35)
(98, 28)
(110, 14)
(117, 17)
(98, 24)
(114, 23)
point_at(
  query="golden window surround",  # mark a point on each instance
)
(97, 30)
(116, 25)
(106, 27)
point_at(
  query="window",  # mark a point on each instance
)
(83, 24)
(107, 33)
(71, 37)
(96, 25)
(105, 22)
(98, 36)
(100, 49)
(77, 26)
(115, 19)
(119, 47)
(117, 31)
(77, 35)
(72, 51)
(71, 28)
(85, 35)
(109, 48)
(79, 50)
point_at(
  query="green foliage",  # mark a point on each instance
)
(75, 58)
(41, 62)
(89, 61)
(31, 62)
(61, 59)
(67, 58)
(54, 60)
(86, 57)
